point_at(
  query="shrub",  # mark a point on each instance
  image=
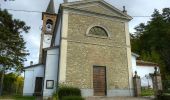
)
(17, 97)
(72, 98)
(147, 92)
(13, 84)
(166, 86)
(164, 96)
(68, 91)
(55, 96)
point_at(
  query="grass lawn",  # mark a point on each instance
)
(147, 92)
(17, 97)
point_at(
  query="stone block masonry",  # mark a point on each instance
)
(83, 52)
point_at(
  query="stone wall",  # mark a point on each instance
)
(83, 52)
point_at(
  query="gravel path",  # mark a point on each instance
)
(119, 98)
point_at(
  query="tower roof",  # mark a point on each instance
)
(50, 8)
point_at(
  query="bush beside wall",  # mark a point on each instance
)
(164, 97)
(72, 98)
(68, 91)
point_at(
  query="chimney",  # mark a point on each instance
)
(124, 10)
(31, 63)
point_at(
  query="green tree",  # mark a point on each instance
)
(13, 84)
(12, 45)
(152, 40)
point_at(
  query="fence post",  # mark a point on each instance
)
(137, 85)
(157, 82)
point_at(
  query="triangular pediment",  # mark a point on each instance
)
(98, 7)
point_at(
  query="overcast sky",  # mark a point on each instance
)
(33, 19)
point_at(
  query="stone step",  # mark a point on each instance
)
(119, 98)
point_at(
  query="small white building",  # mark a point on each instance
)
(42, 80)
(32, 75)
(143, 69)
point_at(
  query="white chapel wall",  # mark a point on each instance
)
(133, 63)
(51, 70)
(30, 77)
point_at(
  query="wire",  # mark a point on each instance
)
(29, 11)
(141, 16)
(32, 11)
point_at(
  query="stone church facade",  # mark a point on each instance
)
(91, 50)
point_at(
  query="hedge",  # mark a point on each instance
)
(72, 98)
(68, 91)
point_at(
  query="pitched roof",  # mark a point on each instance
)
(31, 66)
(79, 6)
(145, 63)
(134, 54)
(50, 8)
(49, 48)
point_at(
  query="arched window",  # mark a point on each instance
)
(98, 31)
(49, 21)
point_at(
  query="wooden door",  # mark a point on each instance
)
(38, 86)
(99, 81)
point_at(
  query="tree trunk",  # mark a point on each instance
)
(1, 83)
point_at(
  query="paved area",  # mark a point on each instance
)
(39, 98)
(6, 99)
(119, 98)
(109, 98)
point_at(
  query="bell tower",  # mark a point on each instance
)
(49, 19)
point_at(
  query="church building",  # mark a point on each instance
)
(86, 44)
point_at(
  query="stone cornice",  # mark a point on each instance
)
(86, 12)
(100, 2)
(82, 42)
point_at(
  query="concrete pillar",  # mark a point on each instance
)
(157, 82)
(137, 85)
